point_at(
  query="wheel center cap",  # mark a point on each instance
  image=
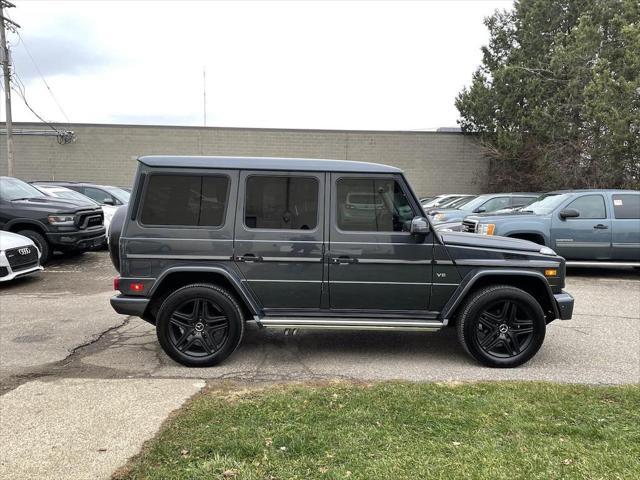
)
(503, 328)
(199, 327)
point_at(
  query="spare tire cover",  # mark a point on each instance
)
(115, 230)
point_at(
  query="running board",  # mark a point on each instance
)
(297, 323)
(581, 263)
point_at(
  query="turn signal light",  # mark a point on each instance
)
(551, 272)
(136, 287)
(116, 283)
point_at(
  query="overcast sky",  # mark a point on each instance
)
(336, 65)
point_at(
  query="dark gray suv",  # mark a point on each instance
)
(209, 244)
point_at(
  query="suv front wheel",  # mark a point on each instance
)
(501, 326)
(199, 325)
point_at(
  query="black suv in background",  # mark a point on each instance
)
(208, 244)
(51, 223)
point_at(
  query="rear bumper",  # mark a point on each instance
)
(564, 301)
(126, 305)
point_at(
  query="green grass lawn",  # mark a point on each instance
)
(400, 430)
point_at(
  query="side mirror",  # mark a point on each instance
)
(480, 210)
(108, 201)
(419, 226)
(569, 213)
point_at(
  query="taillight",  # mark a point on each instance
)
(116, 283)
(136, 287)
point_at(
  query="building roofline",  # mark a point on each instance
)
(66, 126)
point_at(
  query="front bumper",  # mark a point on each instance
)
(564, 302)
(8, 273)
(127, 305)
(78, 240)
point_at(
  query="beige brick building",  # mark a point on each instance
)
(435, 162)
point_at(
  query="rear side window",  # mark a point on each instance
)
(589, 206)
(626, 205)
(185, 200)
(281, 202)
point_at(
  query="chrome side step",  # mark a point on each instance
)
(297, 323)
(581, 263)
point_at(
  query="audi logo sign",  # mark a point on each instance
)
(24, 251)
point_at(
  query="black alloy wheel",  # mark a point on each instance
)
(199, 325)
(501, 326)
(503, 329)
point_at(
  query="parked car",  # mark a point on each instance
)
(64, 192)
(209, 244)
(451, 218)
(441, 200)
(19, 256)
(51, 223)
(103, 194)
(581, 225)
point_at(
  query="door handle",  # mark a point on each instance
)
(600, 226)
(343, 260)
(248, 257)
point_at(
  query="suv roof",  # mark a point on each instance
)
(595, 190)
(265, 163)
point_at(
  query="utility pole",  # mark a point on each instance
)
(204, 94)
(6, 68)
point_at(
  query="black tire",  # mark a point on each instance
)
(41, 243)
(199, 325)
(501, 326)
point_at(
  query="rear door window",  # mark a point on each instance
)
(185, 200)
(626, 205)
(281, 202)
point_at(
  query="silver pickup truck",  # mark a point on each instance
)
(585, 226)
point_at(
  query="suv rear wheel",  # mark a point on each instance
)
(501, 326)
(199, 325)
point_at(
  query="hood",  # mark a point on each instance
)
(53, 204)
(483, 217)
(13, 240)
(483, 241)
(447, 215)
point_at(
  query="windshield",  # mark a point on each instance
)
(546, 203)
(119, 193)
(14, 189)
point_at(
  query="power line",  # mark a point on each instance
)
(63, 136)
(42, 77)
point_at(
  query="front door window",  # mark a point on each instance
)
(373, 205)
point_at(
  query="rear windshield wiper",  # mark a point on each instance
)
(23, 198)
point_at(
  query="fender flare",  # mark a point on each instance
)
(26, 221)
(240, 289)
(545, 237)
(467, 283)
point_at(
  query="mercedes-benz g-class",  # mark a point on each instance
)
(209, 244)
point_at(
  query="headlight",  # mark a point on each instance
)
(439, 217)
(547, 251)
(61, 219)
(486, 228)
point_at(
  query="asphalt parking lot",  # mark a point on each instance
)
(75, 376)
(60, 324)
